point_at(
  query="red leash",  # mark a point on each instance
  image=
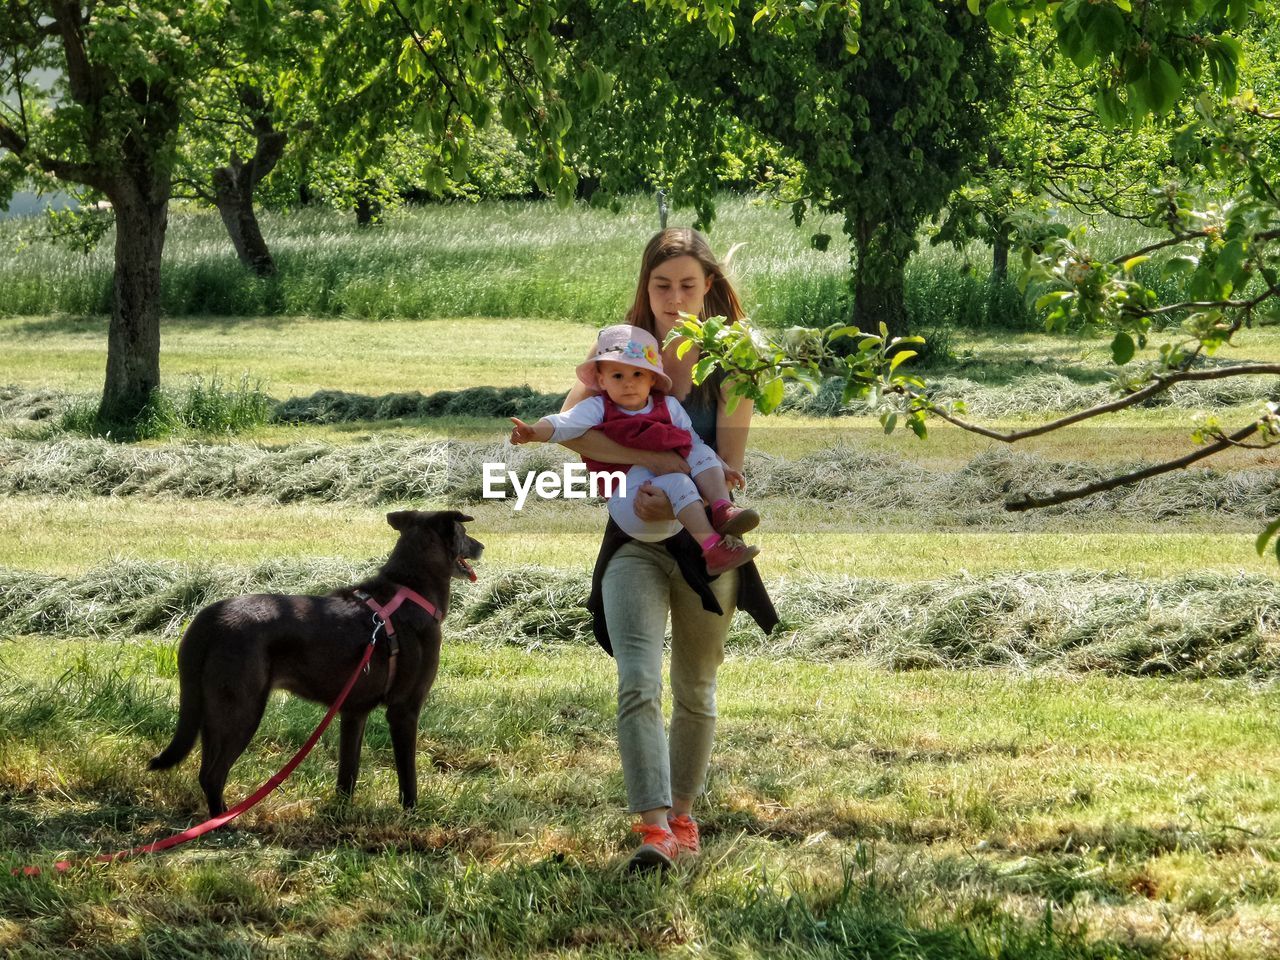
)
(213, 823)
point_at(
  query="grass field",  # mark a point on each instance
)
(69, 535)
(978, 735)
(850, 811)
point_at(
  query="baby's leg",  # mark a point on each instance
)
(707, 473)
(622, 509)
(686, 504)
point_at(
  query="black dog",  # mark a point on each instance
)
(237, 651)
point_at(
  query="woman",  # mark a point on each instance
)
(637, 584)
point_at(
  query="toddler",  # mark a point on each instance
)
(626, 367)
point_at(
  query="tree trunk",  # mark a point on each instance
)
(879, 280)
(233, 185)
(1000, 258)
(133, 339)
(368, 209)
(233, 193)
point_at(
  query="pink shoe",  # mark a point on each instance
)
(658, 848)
(686, 830)
(726, 518)
(727, 553)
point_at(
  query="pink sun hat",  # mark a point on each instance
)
(623, 343)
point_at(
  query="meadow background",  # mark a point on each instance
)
(976, 734)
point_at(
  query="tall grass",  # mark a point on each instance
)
(197, 407)
(503, 259)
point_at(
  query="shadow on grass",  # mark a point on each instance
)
(1013, 365)
(75, 323)
(341, 902)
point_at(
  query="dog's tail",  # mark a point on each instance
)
(191, 657)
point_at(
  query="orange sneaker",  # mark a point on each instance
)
(658, 848)
(685, 829)
(727, 553)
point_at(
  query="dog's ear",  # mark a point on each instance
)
(450, 516)
(402, 519)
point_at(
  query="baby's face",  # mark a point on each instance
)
(627, 386)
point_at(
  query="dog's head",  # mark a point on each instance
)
(430, 536)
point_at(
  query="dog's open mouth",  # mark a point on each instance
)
(463, 568)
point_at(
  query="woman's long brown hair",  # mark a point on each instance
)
(721, 299)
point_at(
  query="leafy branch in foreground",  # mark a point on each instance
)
(757, 366)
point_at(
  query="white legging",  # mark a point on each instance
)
(679, 488)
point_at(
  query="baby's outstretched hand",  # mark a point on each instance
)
(522, 432)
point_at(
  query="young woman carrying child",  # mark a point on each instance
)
(637, 583)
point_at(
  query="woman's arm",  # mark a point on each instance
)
(731, 431)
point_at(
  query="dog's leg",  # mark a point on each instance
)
(403, 723)
(229, 724)
(352, 736)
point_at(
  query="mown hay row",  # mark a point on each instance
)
(1051, 392)
(1189, 626)
(397, 470)
(339, 406)
(1040, 392)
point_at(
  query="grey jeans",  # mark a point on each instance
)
(640, 585)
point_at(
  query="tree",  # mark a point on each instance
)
(880, 112)
(110, 123)
(126, 73)
(1048, 146)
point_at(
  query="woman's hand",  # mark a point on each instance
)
(659, 462)
(734, 478)
(652, 505)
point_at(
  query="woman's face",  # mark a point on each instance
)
(676, 286)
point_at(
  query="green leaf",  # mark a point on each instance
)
(1122, 348)
(703, 368)
(1265, 536)
(1229, 262)
(1179, 264)
(1051, 298)
(899, 357)
(841, 332)
(1134, 261)
(1000, 17)
(889, 420)
(771, 395)
(973, 6)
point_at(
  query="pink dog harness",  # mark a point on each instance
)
(382, 621)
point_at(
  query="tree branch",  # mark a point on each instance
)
(80, 74)
(11, 140)
(1161, 384)
(1205, 305)
(86, 173)
(197, 189)
(1031, 502)
(1179, 238)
